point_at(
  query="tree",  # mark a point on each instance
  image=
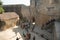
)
(1, 8)
(0, 2)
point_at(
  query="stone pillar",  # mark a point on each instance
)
(8, 20)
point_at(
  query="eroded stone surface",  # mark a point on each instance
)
(8, 20)
(44, 10)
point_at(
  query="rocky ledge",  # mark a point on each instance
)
(8, 19)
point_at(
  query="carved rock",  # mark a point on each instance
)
(8, 20)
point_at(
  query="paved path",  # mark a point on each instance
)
(13, 33)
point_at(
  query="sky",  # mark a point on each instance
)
(9, 2)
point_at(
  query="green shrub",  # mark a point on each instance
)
(1, 8)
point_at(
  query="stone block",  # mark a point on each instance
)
(8, 19)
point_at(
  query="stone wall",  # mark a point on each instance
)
(47, 8)
(25, 12)
(44, 11)
(39, 18)
(8, 20)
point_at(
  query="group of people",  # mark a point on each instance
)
(27, 35)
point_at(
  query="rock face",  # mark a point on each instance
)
(25, 12)
(49, 8)
(45, 10)
(8, 20)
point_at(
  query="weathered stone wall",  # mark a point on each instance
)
(50, 7)
(43, 19)
(47, 8)
(8, 20)
(34, 12)
(25, 12)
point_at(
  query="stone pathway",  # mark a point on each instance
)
(46, 34)
(12, 33)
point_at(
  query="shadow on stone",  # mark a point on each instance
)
(16, 30)
(2, 24)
